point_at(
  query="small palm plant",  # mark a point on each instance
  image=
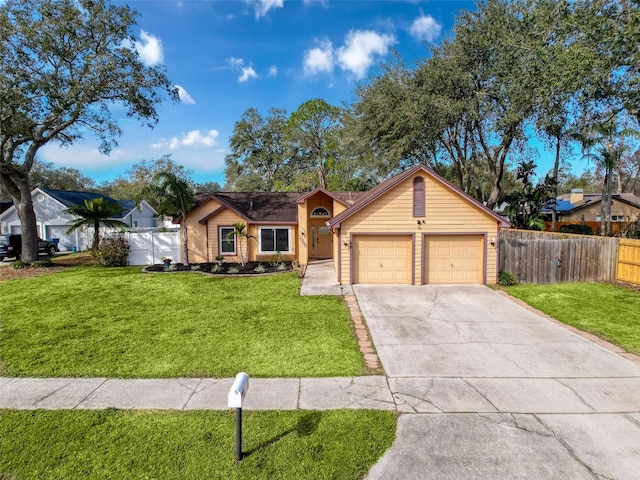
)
(93, 213)
(242, 234)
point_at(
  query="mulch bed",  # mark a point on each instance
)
(251, 268)
(58, 263)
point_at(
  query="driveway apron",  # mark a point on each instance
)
(498, 391)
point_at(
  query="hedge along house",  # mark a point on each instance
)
(414, 228)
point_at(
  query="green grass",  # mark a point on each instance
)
(92, 321)
(608, 311)
(113, 444)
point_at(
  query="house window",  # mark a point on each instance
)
(617, 218)
(320, 212)
(418, 197)
(227, 241)
(275, 239)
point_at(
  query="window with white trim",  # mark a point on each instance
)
(617, 218)
(274, 239)
(227, 241)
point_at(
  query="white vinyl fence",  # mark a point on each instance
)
(148, 247)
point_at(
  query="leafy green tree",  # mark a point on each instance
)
(47, 175)
(259, 158)
(128, 186)
(605, 145)
(93, 213)
(174, 196)
(313, 130)
(64, 64)
(524, 205)
(208, 187)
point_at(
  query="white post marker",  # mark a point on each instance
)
(234, 400)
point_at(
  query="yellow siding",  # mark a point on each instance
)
(225, 218)
(445, 212)
(197, 232)
(303, 235)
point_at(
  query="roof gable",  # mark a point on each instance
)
(256, 207)
(384, 187)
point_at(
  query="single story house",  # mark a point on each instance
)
(414, 228)
(578, 207)
(52, 221)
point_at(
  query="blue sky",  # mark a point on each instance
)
(228, 56)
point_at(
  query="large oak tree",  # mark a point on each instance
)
(66, 64)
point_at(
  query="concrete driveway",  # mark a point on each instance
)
(496, 391)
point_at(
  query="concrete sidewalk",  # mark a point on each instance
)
(370, 392)
(320, 279)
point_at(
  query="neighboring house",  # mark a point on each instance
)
(52, 221)
(578, 207)
(414, 228)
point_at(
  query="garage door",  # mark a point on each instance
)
(453, 259)
(382, 259)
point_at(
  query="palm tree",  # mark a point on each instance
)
(604, 144)
(93, 213)
(240, 232)
(174, 196)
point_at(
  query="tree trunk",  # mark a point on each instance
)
(96, 237)
(609, 191)
(185, 247)
(603, 203)
(556, 167)
(24, 207)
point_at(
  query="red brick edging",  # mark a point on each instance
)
(362, 334)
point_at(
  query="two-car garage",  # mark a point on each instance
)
(389, 259)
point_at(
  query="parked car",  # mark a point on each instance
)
(11, 247)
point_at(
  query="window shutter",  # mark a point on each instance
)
(418, 197)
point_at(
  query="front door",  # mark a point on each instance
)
(320, 241)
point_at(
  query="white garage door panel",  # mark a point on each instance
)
(453, 259)
(382, 259)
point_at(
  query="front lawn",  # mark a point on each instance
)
(113, 444)
(608, 311)
(118, 322)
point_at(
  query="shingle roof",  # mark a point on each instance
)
(281, 207)
(71, 198)
(564, 205)
(258, 206)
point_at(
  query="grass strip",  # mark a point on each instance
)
(118, 322)
(611, 312)
(115, 444)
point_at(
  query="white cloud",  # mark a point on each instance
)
(273, 71)
(149, 49)
(262, 7)
(360, 49)
(425, 28)
(194, 138)
(311, 3)
(184, 96)
(319, 59)
(247, 74)
(234, 62)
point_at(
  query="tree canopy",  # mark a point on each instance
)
(65, 65)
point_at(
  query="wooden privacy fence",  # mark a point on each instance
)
(629, 261)
(542, 257)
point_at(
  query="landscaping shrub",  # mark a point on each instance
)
(507, 279)
(18, 265)
(577, 228)
(112, 252)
